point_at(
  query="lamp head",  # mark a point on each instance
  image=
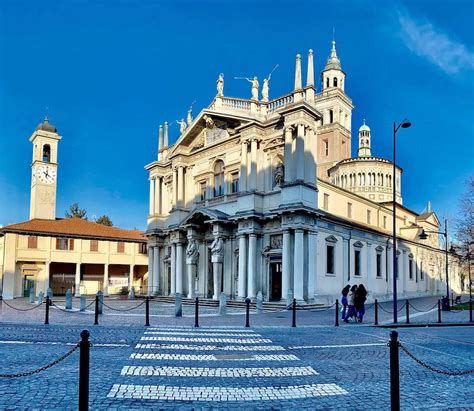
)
(423, 235)
(405, 124)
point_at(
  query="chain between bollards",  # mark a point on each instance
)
(147, 311)
(394, 372)
(376, 305)
(196, 312)
(293, 323)
(96, 313)
(247, 312)
(407, 307)
(439, 311)
(84, 360)
(46, 313)
(337, 313)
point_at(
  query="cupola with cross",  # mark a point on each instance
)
(364, 141)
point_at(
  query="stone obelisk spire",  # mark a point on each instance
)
(160, 141)
(298, 84)
(165, 143)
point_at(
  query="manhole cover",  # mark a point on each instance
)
(236, 356)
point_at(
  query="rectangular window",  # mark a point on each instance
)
(349, 210)
(219, 185)
(379, 265)
(330, 259)
(142, 248)
(120, 247)
(63, 244)
(410, 269)
(326, 148)
(202, 190)
(234, 187)
(326, 202)
(368, 216)
(94, 245)
(384, 221)
(32, 241)
(421, 271)
(357, 262)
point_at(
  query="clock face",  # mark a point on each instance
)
(44, 174)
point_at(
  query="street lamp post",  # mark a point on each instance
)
(424, 236)
(404, 124)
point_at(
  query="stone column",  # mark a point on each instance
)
(312, 252)
(300, 152)
(288, 155)
(156, 270)
(175, 187)
(157, 195)
(369, 263)
(298, 287)
(252, 267)
(130, 276)
(217, 275)
(310, 156)
(345, 261)
(152, 196)
(173, 269)
(192, 268)
(77, 292)
(106, 280)
(46, 278)
(253, 165)
(243, 167)
(242, 281)
(150, 269)
(179, 268)
(180, 186)
(286, 264)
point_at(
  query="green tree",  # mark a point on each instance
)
(465, 219)
(76, 212)
(104, 220)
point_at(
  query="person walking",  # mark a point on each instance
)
(344, 301)
(359, 302)
(351, 312)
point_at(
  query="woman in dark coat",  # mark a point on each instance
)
(344, 301)
(359, 302)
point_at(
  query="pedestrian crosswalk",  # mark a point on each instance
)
(215, 365)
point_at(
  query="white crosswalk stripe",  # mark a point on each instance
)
(210, 347)
(209, 334)
(213, 357)
(210, 339)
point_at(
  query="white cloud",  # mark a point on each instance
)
(425, 40)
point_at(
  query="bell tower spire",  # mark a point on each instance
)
(364, 141)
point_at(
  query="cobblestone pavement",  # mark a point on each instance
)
(167, 367)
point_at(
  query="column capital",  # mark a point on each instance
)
(299, 230)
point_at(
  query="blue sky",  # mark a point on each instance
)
(110, 72)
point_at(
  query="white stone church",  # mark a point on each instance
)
(262, 195)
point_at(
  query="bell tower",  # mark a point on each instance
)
(364, 141)
(44, 171)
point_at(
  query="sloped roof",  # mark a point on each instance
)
(74, 227)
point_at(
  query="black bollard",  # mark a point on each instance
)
(147, 311)
(394, 372)
(337, 313)
(46, 313)
(196, 312)
(293, 324)
(96, 314)
(247, 312)
(439, 311)
(407, 308)
(376, 307)
(84, 360)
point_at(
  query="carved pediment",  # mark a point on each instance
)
(358, 244)
(331, 239)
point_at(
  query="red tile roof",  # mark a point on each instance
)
(74, 227)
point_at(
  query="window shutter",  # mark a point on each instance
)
(71, 244)
(58, 244)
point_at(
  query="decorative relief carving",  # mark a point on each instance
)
(276, 241)
(192, 253)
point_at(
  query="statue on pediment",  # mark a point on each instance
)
(182, 125)
(217, 250)
(209, 121)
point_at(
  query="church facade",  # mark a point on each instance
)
(262, 195)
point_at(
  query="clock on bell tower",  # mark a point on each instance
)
(44, 171)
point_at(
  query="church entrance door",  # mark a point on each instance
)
(275, 282)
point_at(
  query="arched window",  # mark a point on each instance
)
(219, 179)
(334, 82)
(331, 116)
(47, 153)
(327, 82)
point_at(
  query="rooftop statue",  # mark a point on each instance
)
(266, 86)
(255, 86)
(182, 125)
(220, 85)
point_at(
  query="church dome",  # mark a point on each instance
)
(46, 126)
(364, 127)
